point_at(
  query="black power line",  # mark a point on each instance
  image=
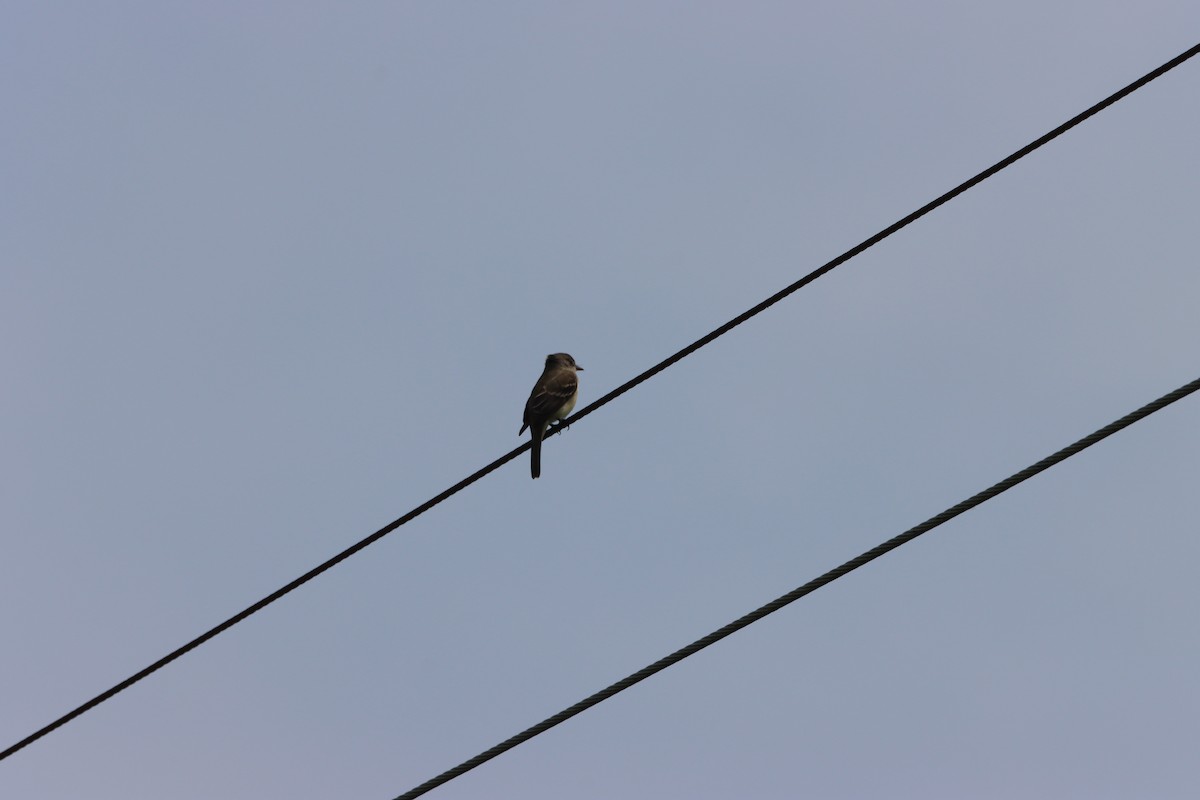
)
(620, 390)
(808, 588)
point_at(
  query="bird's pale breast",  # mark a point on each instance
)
(567, 406)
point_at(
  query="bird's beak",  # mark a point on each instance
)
(579, 368)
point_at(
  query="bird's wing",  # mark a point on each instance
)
(549, 395)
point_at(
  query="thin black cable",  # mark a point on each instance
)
(808, 588)
(620, 390)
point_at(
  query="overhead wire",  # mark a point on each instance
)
(620, 390)
(808, 588)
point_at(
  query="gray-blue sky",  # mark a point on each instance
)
(276, 273)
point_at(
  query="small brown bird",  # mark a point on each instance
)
(552, 399)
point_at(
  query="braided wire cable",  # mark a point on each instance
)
(620, 390)
(808, 588)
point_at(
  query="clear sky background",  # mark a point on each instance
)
(275, 273)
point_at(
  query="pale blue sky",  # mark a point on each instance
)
(275, 273)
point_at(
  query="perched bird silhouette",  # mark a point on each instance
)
(552, 399)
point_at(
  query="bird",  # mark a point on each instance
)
(553, 397)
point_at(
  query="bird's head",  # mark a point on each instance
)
(562, 360)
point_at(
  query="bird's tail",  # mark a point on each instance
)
(535, 454)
